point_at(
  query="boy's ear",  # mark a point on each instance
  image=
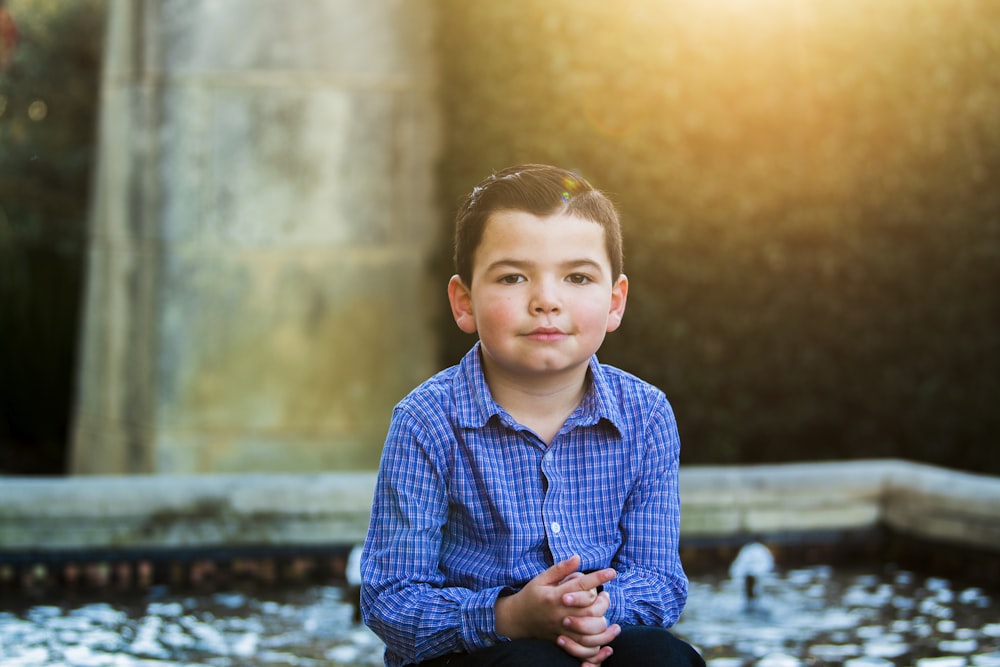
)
(461, 305)
(619, 294)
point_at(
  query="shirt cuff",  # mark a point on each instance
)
(479, 620)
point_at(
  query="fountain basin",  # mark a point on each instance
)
(862, 615)
(73, 514)
(840, 533)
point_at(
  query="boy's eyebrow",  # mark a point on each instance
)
(585, 262)
(526, 264)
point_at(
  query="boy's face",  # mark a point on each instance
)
(542, 296)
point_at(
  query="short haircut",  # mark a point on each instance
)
(541, 190)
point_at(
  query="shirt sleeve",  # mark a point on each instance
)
(403, 597)
(651, 586)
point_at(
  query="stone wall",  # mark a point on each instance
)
(257, 297)
(734, 503)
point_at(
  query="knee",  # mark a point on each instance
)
(524, 653)
(644, 645)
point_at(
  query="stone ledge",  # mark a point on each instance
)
(183, 511)
(747, 500)
(236, 511)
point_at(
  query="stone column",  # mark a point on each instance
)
(257, 294)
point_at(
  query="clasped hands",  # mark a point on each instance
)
(564, 605)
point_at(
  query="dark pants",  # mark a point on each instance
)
(636, 646)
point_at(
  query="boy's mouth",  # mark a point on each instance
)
(546, 334)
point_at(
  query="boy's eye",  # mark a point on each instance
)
(511, 279)
(578, 278)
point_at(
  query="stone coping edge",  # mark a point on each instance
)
(215, 511)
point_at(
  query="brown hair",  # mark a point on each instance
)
(541, 190)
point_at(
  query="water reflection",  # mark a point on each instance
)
(807, 616)
(818, 616)
(300, 627)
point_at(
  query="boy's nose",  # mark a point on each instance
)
(545, 299)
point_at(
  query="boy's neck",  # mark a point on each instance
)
(541, 403)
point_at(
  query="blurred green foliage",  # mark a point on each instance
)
(809, 192)
(48, 94)
(811, 199)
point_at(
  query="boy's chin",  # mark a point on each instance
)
(548, 367)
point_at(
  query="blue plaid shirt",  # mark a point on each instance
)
(470, 504)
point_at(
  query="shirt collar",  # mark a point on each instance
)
(476, 405)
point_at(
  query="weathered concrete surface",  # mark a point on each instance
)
(943, 505)
(258, 294)
(182, 511)
(733, 500)
(205, 511)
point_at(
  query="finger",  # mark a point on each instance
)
(571, 576)
(577, 650)
(596, 661)
(585, 625)
(560, 571)
(583, 597)
(591, 580)
(598, 606)
(594, 639)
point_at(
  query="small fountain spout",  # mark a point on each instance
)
(353, 576)
(752, 565)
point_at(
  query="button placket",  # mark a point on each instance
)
(558, 543)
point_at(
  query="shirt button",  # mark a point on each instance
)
(547, 457)
(555, 527)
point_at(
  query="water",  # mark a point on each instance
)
(304, 627)
(860, 617)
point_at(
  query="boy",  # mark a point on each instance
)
(526, 510)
